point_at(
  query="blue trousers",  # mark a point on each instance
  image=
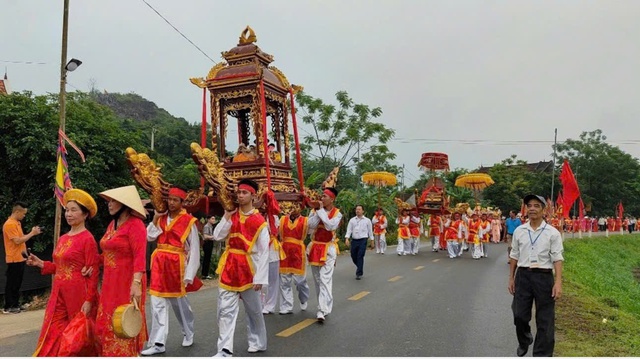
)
(358, 250)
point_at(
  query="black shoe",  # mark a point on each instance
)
(522, 351)
(358, 277)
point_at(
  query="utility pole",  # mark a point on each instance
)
(402, 182)
(62, 101)
(553, 169)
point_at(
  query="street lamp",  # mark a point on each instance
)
(72, 65)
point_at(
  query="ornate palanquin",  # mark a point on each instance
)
(244, 91)
(433, 198)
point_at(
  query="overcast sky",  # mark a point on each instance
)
(467, 71)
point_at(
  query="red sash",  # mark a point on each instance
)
(167, 261)
(236, 269)
(451, 232)
(487, 235)
(293, 235)
(474, 228)
(414, 229)
(321, 241)
(377, 230)
(403, 230)
(434, 226)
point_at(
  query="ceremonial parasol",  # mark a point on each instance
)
(379, 179)
(475, 182)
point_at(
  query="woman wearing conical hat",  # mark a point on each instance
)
(71, 292)
(124, 263)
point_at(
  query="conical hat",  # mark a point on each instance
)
(128, 196)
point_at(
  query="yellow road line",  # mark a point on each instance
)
(435, 260)
(418, 268)
(395, 278)
(296, 328)
(359, 295)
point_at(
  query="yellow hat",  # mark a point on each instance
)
(128, 196)
(82, 198)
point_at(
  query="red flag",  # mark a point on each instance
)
(620, 209)
(523, 209)
(559, 203)
(570, 189)
(581, 209)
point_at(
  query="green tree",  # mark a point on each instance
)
(606, 175)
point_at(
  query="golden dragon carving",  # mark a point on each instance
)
(213, 172)
(148, 175)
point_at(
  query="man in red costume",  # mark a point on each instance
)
(435, 224)
(322, 250)
(455, 232)
(243, 270)
(293, 231)
(174, 265)
(379, 231)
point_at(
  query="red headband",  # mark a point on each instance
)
(247, 188)
(178, 193)
(329, 193)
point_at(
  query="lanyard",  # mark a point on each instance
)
(533, 241)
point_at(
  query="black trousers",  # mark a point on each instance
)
(15, 272)
(358, 250)
(207, 248)
(530, 286)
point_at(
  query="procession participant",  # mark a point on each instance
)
(124, 263)
(618, 224)
(496, 227)
(359, 229)
(568, 225)
(379, 222)
(536, 253)
(243, 270)
(465, 222)
(404, 236)
(575, 222)
(435, 223)
(293, 231)
(555, 223)
(454, 232)
(594, 224)
(442, 238)
(485, 233)
(322, 250)
(174, 265)
(610, 224)
(414, 232)
(270, 291)
(71, 292)
(473, 236)
(511, 224)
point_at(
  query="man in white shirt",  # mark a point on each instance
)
(536, 253)
(359, 230)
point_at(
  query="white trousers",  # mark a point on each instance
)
(287, 281)
(380, 241)
(323, 278)
(270, 298)
(415, 245)
(228, 308)
(477, 251)
(454, 249)
(435, 242)
(404, 246)
(160, 318)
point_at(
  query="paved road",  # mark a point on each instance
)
(424, 305)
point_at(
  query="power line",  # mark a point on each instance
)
(24, 62)
(179, 32)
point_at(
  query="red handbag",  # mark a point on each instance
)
(77, 339)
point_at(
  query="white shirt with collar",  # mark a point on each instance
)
(547, 242)
(359, 227)
(259, 252)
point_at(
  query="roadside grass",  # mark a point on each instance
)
(599, 314)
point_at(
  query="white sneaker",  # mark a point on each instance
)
(320, 317)
(303, 306)
(264, 311)
(255, 350)
(153, 350)
(283, 312)
(187, 342)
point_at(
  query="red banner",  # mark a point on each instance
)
(570, 189)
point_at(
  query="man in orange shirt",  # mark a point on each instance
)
(14, 246)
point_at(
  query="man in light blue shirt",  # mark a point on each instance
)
(511, 223)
